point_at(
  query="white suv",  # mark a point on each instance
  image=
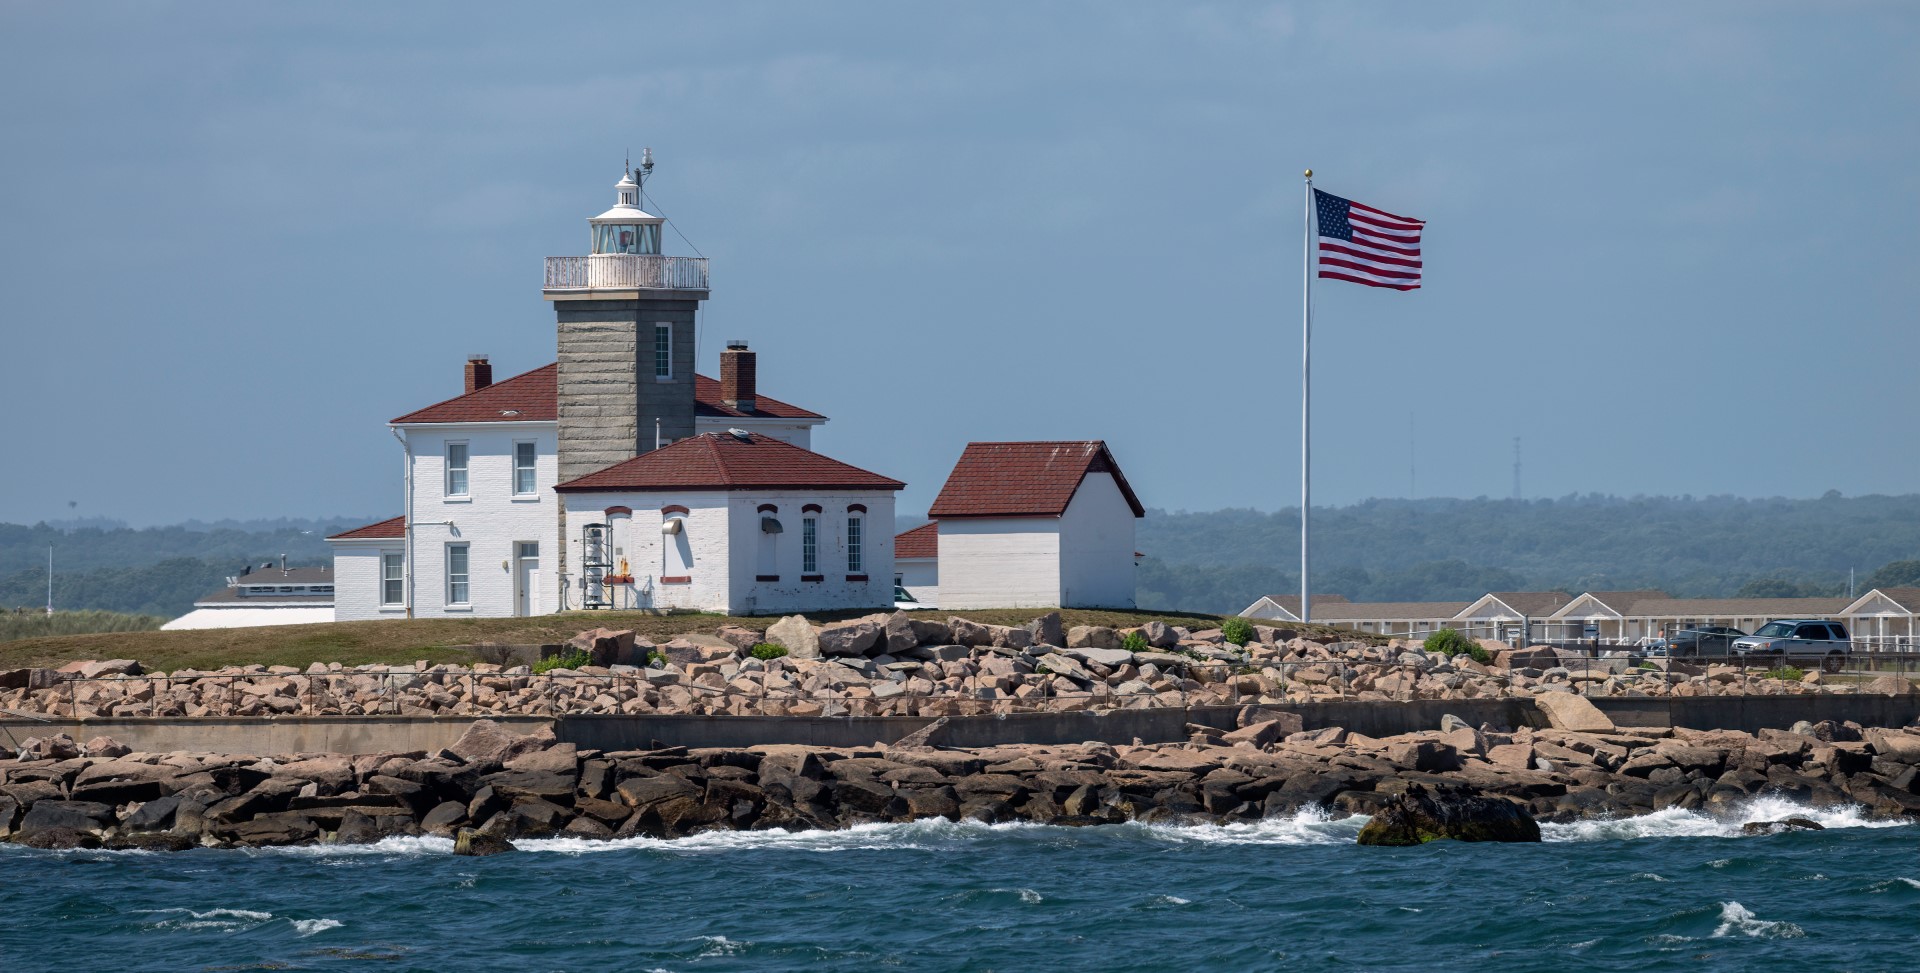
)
(1799, 640)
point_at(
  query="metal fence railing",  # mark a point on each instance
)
(776, 688)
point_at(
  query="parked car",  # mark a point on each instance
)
(1707, 640)
(904, 600)
(1798, 640)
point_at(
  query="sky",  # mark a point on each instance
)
(1669, 246)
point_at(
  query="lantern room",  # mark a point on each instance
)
(626, 228)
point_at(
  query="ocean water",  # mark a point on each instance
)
(1671, 891)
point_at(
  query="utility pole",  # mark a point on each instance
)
(49, 580)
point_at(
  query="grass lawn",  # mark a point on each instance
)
(401, 641)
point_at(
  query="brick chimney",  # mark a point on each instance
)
(736, 376)
(479, 373)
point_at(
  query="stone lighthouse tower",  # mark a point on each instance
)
(626, 336)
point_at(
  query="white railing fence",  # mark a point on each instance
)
(614, 271)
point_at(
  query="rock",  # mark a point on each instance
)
(899, 635)
(105, 746)
(57, 839)
(1450, 723)
(1288, 720)
(1888, 686)
(1092, 637)
(969, 633)
(607, 647)
(1100, 657)
(154, 815)
(72, 815)
(929, 632)
(928, 736)
(742, 639)
(1046, 630)
(1159, 635)
(1568, 711)
(850, 638)
(1261, 735)
(152, 841)
(1420, 815)
(1427, 756)
(1777, 827)
(444, 819)
(1531, 657)
(489, 742)
(479, 844)
(1063, 664)
(1008, 637)
(111, 667)
(795, 634)
(57, 747)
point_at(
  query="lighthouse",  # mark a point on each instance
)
(625, 317)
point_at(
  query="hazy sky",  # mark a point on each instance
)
(1671, 246)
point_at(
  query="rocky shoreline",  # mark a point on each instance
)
(893, 665)
(496, 785)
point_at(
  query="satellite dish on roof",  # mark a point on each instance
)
(741, 434)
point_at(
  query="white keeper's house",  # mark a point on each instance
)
(617, 477)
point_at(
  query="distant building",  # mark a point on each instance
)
(916, 562)
(271, 595)
(1036, 525)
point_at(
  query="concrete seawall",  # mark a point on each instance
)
(337, 734)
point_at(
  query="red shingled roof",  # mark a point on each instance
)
(1025, 479)
(535, 397)
(391, 527)
(721, 461)
(922, 541)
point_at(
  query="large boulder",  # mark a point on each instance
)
(1100, 657)
(1160, 635)
(899, 634)
(1419, 815)
(1531, 657)
(1888, 686)
(1046, 630)
(969, 633)
(489, 742)
(608, 647)
(741, 638)
(73, 815)
(795, 634)
(856, 637)
(479, 844)
(1092, 637)
(1574, 713)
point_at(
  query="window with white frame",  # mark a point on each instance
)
(809, 545)
(457, 587)
(456, 469)
(393, 574)
(856, 563)
(524, 456)
(663, 350)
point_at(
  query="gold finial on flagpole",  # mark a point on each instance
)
(1309, 173)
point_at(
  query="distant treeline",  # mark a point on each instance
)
(1221, 561)
(29, 624)
(1443, 549)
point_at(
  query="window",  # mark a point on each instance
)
(809, 545)
(456, 469)
(663, 350)
(457, 574)
(524, 455)
(855, 563)
(392, 572)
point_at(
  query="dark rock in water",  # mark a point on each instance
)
(154, 815)
(1421, 815)
(152, 841)
(1776, 827)
(57, 838)
(444, 818)
(66, 815)
(479, 844)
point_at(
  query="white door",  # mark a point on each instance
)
(526, 578)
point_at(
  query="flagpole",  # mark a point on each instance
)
(1306, 399)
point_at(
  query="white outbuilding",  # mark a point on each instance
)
(1036, 525)
(732, 522)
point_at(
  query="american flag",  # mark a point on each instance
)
(1366, 245)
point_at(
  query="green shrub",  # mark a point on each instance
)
(1447, 642)
(565, 660)
(1135, 642)
(768, 650)
(1238, 630)
(1787, 673)
(656, 659)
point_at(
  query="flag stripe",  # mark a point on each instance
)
(1336, 275)
(1366, 245)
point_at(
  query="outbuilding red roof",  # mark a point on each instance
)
(922, 541)
(391, 527)
(534, 397)
(723, 461)
(1025, 479)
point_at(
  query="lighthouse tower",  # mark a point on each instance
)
(626, 336)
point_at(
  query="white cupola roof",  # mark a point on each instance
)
(626, 207)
